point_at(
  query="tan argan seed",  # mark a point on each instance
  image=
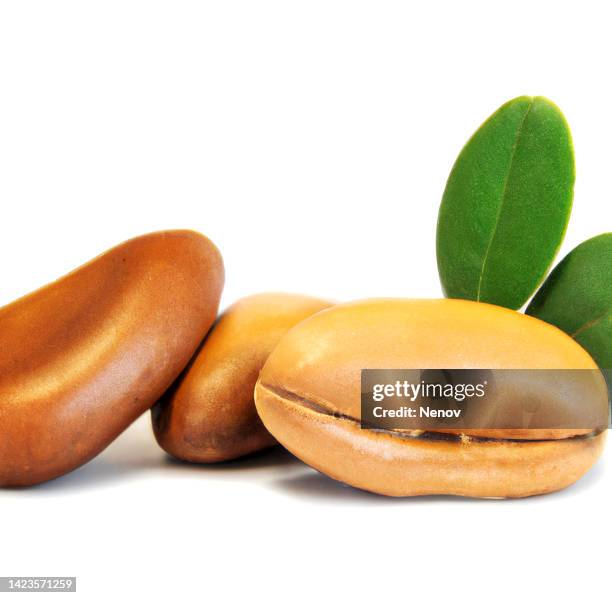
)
(209, 414)
(308, 396)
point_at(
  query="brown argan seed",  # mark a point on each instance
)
(83, 357)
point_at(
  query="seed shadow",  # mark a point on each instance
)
(268, 458)
(112, 469)
(317, 486)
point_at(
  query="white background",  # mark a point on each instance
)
(311, 141)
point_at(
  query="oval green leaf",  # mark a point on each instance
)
(577, 297)
(506, 204)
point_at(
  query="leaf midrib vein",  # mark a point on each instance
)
(503, 195)
(591, 323)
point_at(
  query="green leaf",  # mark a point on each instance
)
(506, 204)
(577, 297)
